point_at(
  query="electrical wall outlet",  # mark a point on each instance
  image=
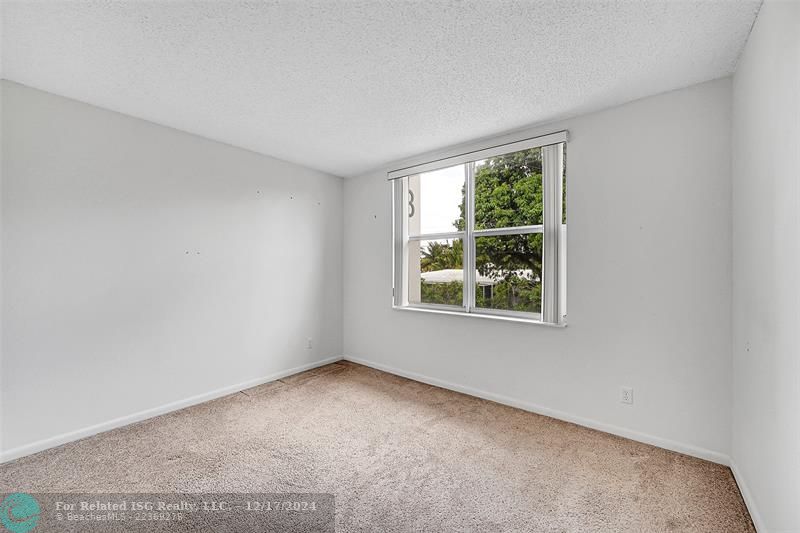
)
(626, 395)
(309, 344)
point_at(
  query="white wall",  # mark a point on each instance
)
(144, 266)
(766, 266)
(1, 247)
(649, 206)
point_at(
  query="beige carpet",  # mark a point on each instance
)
(399, 456)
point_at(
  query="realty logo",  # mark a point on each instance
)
(20, 512)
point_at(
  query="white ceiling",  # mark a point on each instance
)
(345, 86)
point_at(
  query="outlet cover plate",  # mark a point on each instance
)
(626, 395)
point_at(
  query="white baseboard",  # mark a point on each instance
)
(71, 436)
(747, 496)
(687, 449)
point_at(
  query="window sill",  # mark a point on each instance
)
(503, 318)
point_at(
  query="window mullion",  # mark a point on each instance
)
(511, 230)
(469, 238)
(436, 236)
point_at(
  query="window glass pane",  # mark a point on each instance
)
(509, 272)
(436, 201)
(508, 190)
(435, 273)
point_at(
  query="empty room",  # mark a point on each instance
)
(400, 266)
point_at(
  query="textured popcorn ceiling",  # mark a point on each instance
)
(345, 86)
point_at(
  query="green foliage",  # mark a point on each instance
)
(508, 193)
(508, 190)
(515, 294)
(518, 285)
(442, 293)
(441, 255)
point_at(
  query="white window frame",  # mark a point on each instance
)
(553, 278)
